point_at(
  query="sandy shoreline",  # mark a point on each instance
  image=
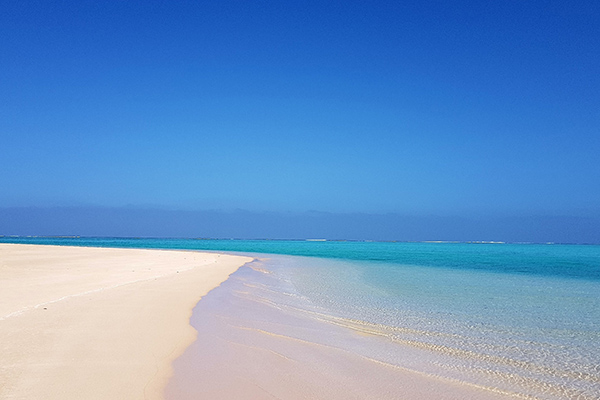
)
(97, 323)
(256, 342)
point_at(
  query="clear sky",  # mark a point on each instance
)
(418, 108)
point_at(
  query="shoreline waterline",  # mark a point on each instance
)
(254, 347)
(275, 336)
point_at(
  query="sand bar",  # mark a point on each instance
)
(96, 323)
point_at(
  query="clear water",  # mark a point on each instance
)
(575, 261)
(519, 319)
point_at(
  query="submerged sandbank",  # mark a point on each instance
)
(98, 323)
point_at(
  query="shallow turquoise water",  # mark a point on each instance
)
(522, 318)
(575, 261)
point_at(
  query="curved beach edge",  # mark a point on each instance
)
(99, 323)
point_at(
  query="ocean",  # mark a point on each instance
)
(343, 319)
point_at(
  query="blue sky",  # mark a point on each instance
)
(417, 108)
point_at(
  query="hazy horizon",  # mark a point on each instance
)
(242, 224)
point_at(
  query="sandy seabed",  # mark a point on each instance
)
(98, 323)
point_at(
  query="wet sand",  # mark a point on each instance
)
(94, 323)
(254, 343)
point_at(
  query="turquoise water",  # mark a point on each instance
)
(522, 319)
(569, 261)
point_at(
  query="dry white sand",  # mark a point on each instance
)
(92, 323)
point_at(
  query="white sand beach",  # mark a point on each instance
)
(95, 323)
